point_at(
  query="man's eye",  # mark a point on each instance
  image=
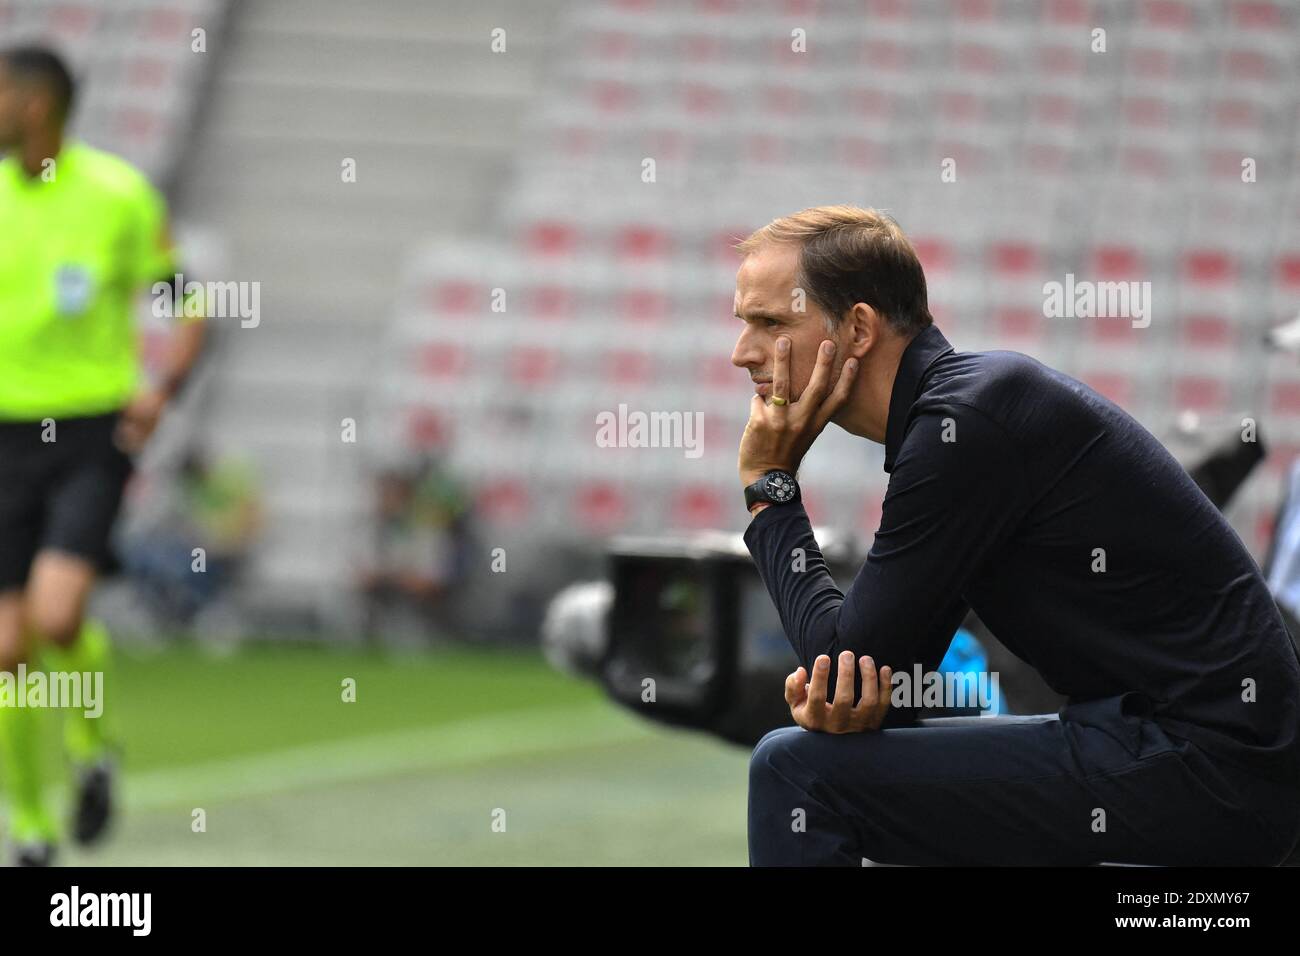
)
(772, 322)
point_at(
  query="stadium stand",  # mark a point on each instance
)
(301, 87)
(1125, 166)
(140, 75)
(526, 186)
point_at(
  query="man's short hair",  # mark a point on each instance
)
(850, 255)
(40, 64)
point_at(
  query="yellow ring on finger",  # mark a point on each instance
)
(778, 400)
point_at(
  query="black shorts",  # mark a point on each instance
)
(62, 495)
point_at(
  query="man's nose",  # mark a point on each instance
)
(746, 354)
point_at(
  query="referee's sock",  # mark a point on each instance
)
(20, 768)
(84, 738)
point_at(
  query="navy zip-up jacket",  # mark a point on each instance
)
(1076, 537)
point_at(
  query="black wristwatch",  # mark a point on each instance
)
(777, 487)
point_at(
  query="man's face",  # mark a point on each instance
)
(11, 101)
(767, 300)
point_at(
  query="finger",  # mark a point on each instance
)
(821, 376)
(843, 386)
(817, 688)
(795, 687)
(844, 685)
(803, 718)
(886, 694)
(870, 689)
(874, 715)
(781, 371)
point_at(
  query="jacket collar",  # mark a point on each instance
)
(922, 352)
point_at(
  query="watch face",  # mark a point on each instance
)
(780, 487)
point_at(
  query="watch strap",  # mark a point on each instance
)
(757, 491)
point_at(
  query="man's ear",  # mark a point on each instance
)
(34, 107)
(863, 327)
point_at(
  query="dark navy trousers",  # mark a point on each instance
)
(1098, 782)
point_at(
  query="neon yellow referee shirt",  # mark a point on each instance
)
(75, 250)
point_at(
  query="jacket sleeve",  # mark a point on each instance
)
(955, 494)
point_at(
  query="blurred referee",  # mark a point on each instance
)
(83, 232)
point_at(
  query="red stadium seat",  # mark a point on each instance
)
(1020, 322)
(1284, 398)
(861, 153)
(149, 72)
(1071, 12)
(1265, 527)
(503, 501)
(1056, 108)
(428, 429)
(1208, 332)
(970, 10)
(1061, 61)
(72, 20)
(599, 506)
(870, 514)
(643, 305)
(980, 58)
(455, 297)
(957, 106)
(1113, 331)
(780, 99)
(1147, 161)
(717, 370)
(1113, 385)
(579, 140)
(1153, 63)
(1236, 113)
(1112, 262)
(1287, 273)
(1166, 14)
(552, 238)
(1242, 64)
(532, 365)
(166, 23)
(704, 100)
(702, 47)
(1209, 267)
(1149, 112)
(642, 242)
(935, 254)
(138, 124)
(553, 302)
(723, 245)
(698, 506)
(889, 10)
(628, 367)
(1260, 15)
(765, 148)
(874, 104)
(1016, 259)
(614, 97)
(444, 360)
(1200, 393)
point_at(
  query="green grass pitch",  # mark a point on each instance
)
(410, 773)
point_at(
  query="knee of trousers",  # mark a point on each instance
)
(770, 762)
